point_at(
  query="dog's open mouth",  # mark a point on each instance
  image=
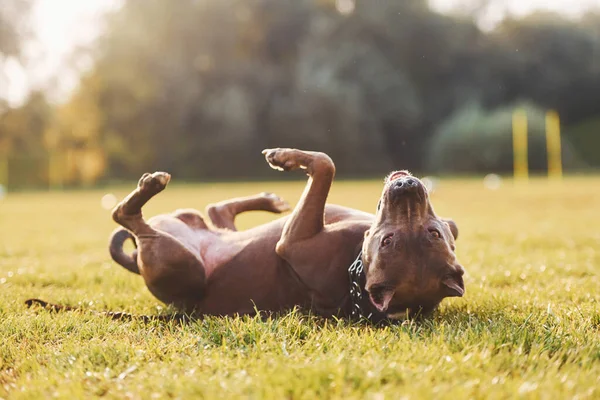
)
(381, 296)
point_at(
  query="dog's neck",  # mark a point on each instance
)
(360, 306)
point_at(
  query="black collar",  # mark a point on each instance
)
(357, 277)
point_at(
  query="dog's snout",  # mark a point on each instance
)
(405, 184)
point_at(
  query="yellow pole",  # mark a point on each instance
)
(521, 163)
(553, 145)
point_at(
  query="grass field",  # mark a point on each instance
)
(529, 324)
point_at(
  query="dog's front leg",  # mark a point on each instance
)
(307, 219)
(222, 214)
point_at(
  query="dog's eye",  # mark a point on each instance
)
(387, 240)
(435, 233)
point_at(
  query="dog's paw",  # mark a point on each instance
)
(276, 203)
(283, 159)
(154, 183)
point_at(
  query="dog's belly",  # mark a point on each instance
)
(242, 269)
(255, 279)
(211, 248)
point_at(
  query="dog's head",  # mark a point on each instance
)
(408, 252)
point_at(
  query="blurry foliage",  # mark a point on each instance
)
(22, 129)
(199, 87)
(13, 27)
(585, 137)
(14, 30)
(475, 139)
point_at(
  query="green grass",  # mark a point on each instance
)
(528, 325)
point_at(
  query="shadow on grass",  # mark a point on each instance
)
(496, 327)
(427, 322)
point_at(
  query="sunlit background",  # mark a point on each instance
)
(102, 90)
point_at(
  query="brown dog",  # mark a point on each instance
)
(326, 258)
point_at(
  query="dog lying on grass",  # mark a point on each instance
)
(331, 260)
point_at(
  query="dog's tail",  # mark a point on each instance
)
(115, 247)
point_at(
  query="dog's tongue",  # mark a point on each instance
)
(397, 174)
(383, 301)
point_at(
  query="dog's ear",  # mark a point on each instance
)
(453, 227)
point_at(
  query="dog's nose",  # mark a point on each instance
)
(405, 183)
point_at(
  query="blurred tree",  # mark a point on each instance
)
(22, 132)
(14, 27)
(585, 137)
(22, 129)
(14, 30)
(475, 139)
(74, 137)
(549, 60)
(199, 87)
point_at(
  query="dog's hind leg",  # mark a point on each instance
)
(128, 213)
(222, 214)
(172, 272)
